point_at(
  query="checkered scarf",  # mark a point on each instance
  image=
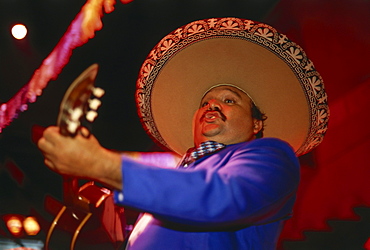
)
(205, 148)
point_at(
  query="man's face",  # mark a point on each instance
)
(225, 116)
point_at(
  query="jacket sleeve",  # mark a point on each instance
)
(252, 184)
(159, 159)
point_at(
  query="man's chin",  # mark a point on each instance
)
(212, 136)
(211, 130)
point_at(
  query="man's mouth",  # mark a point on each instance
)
(212, 115)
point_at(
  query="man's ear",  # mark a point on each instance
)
(257, 126)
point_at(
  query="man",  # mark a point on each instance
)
(225, 116)
(231, 191)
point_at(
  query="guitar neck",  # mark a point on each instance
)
(75, 107)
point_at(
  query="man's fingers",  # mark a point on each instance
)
(49, 140)
(49, 163)
(44, 145)
(84, 132)
(51, 132)
(48, 135)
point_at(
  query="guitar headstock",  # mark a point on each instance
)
(80, 102)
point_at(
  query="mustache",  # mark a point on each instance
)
(220, 114)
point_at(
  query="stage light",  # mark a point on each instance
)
(17, 224)
(14, 225)
(19, 31)
(31, 226)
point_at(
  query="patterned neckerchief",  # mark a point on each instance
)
(205, 148)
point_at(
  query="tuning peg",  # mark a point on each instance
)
(94, 103)
(75, 114)
(91, 115)
(98, 92)
(72, 126)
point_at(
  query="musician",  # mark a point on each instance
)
(229, 189)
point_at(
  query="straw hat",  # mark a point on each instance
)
(273, 70)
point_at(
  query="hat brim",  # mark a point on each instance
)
(189, 61)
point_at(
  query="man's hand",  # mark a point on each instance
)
(81, 157)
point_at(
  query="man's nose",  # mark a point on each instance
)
(214, 105)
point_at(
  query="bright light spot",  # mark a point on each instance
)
(19, 31)
(14, 225)
(31, 226)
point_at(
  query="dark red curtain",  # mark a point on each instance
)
(335, 176)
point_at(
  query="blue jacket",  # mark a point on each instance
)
(236, 198)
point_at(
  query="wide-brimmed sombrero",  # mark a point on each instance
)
(253, 56)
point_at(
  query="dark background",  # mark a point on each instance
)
(335, 35)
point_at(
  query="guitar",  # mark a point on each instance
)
(88, 218)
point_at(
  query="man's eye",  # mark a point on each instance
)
(229, 101)
(204, 104)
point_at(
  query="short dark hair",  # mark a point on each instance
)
(257, 114)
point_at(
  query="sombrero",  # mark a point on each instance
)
(253, 56)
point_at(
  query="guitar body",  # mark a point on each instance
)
(88, 218)
(102, 227)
